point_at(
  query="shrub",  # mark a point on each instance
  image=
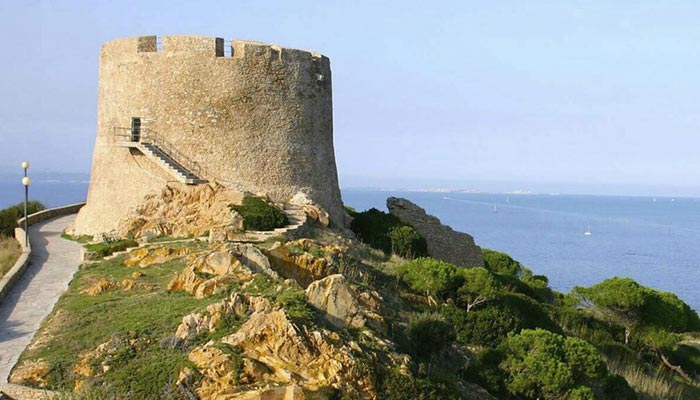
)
(542, 364)
(431, 277)
(386, 232)
(10, 215)
(398, 386)
(488, 326)
(429, 335)
(500, 263)
(258, 215)
(479, 287)
(407, 242)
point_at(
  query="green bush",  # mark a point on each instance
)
(398, 386)
(10, 215)
(542, 364)
(386, 232)
(429, 334)
(500, 263)
(431, 277)
(488, 326)
(407, 242)
(258, 215)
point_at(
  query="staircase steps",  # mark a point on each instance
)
(165, 160)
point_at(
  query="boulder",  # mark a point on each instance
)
(333, 296)
(443, 242)
(294, 354)
(304, 260)
(210, 272)
(30, 373)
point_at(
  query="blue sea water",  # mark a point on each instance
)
(657, 243)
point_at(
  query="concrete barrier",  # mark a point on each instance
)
(11, 277)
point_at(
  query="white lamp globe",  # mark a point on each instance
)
(26, 181)
(25, 165)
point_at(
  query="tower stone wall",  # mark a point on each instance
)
(256, 117)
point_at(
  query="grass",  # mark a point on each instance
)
(147, 319)
(10, 251)
(103, 249)
(82, 239)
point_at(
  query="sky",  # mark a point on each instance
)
(573, 96)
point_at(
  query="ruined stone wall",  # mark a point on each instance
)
(257, 118)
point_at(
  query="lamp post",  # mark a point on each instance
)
(26, 182)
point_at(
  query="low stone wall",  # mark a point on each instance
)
(17, 392)
(22, 263)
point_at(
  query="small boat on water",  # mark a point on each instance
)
(495, 210)
(588, 231)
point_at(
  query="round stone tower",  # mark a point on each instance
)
(250, 116)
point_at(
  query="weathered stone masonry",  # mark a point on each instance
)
(257, 119)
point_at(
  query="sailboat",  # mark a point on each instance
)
(495, 209)
(588, 231)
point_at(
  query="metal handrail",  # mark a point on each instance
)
(151, 137)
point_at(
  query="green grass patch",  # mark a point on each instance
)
(104, 249)
(149, 318)
(83, 239)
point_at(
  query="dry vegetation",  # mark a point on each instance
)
(9, 252)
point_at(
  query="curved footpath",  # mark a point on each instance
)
(53, 262)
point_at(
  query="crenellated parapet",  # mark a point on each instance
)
(257, 117)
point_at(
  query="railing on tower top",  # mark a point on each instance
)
(151, 137)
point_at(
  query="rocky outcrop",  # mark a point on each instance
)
(32, 373)
(181, 211)
(145, 256)
(106, 285)
(210, 272)
(443, 242)
(304, 260)
(237, 305)
(343, 306)
(298, 355)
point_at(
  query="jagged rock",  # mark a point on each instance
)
(304, 260)
(210, 272)
(30, 373)
(192, 325)
(309, 358)
(218, 369)
(253, 258)
(333, 296)
(145, 256)
(181, 210)
(236, 304)
(443, 242)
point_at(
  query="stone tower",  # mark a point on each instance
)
(250, 116)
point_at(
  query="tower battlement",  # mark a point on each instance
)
(257, 117)
(206, 46)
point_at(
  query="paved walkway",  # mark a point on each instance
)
(54, 261)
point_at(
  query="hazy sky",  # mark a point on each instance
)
(578, 92)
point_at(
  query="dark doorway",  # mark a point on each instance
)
(135, 129)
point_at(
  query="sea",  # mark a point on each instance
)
(655, 241)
